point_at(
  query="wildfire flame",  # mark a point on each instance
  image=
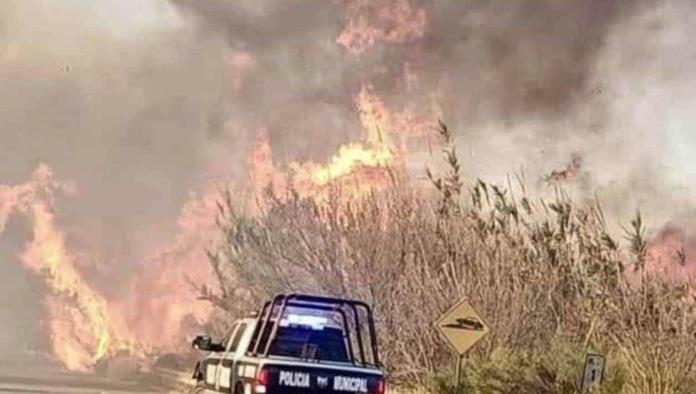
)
(85, 326)
(348, 158)
(82, 330)
(670, 254)
(160, 303)
(371, 21)
(357, 167)
(156, 304)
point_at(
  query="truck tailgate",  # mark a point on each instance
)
(287, 379)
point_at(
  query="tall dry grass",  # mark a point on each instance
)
(546, 274)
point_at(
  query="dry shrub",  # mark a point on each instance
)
(537, 270)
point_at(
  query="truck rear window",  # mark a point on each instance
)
(306, 342)
(326, 344)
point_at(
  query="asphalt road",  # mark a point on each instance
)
(42, 376)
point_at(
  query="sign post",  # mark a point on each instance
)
(460, 362)
(462, 327)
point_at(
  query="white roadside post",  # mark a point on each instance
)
(593, 373)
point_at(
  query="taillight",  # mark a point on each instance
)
(381, 387)
(261, 381)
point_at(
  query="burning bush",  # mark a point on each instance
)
(542, 272)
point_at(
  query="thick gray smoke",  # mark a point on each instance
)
(126, 109)
(528, 85)
(120, 97)
(488, 61)
(141, 101)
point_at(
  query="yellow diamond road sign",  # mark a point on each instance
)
(462, 327)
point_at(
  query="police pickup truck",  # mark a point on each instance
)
(296, 343)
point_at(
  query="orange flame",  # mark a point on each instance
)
(349, 158)
(160, 304)
(86, 327)
(356, 168)
(81, 327)
(371, 21)
(670, 254)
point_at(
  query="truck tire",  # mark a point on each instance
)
(239, 388)
(198, 389)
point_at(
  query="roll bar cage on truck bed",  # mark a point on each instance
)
(296, 343)
(268, 315)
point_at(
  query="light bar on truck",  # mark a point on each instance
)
(316, 322)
